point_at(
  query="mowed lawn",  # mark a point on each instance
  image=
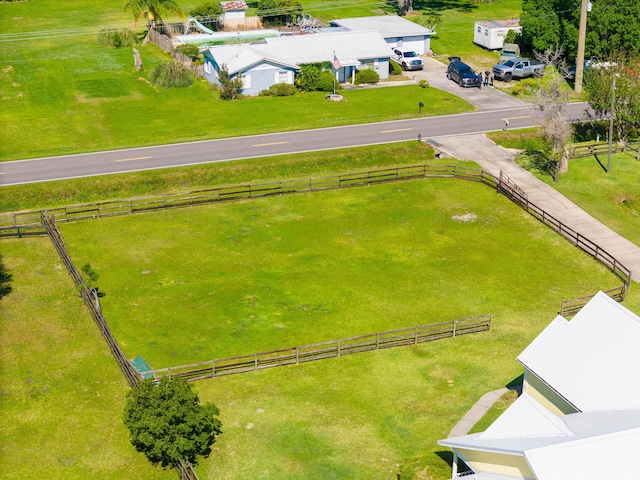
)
(225, 280)
(61, 393)
(366, 416)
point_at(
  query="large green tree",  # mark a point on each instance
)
(5, 280)
(168, 424)
(612, 26)
(598, 86)
(152, 10)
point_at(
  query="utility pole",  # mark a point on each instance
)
(613, 114)
(582, 33)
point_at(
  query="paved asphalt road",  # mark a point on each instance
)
(147, 158)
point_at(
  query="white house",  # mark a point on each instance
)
(491, 35)
(579, 415)
(396, 31)
(352, 50)
(259, 70)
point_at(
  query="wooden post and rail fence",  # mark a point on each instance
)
(29, 222)
(324, 350)
(39, 223)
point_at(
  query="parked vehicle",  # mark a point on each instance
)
(509, 51)
(517, 68)
(408, 60)
(463, 74)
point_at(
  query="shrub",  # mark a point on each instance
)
(208, 9)
(367, 76)
(307, 79)
(423, 83)
(110, 37)
(327, 81)
(394, 68)
(279, 90)
(525, 87)
(191, 51)
(172, 74)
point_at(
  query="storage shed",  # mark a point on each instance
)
(491, 35)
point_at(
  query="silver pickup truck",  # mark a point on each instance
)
(517, 68)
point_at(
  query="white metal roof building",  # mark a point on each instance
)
(528, 442)
(396, 31)
(259, 70)
(591, 362)
(353, 50)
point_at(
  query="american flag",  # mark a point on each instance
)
(336, 63)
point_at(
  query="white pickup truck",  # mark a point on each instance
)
(517, 68)
(408, 60)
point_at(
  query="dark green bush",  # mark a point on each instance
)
(327, 82)
(110, 37)
(367, 76)
(172, 74)
(208, 9)
(394, 68)
(279, 90)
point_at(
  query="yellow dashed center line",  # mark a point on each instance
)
(267, 144)
(132, 159)
(398, 130)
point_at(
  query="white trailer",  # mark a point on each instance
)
(491, 35)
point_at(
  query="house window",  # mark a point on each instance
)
(486, 32)
(479, 29)
(207, 68)
(283, 77)
(246, 81)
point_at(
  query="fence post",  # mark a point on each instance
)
(297, 355)
(213, 368)
(377, 341)
(256, 361)
(455, 323)
(338, 348)
(415, 336)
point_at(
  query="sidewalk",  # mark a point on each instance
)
(493, 158)
(475, 413)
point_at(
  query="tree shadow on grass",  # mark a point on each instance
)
(464, 6)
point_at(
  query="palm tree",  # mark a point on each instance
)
(152, 10)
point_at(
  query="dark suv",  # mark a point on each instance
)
(461, 73)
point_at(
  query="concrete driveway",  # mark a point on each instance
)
(435, 72)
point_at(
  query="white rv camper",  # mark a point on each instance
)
(491, 35)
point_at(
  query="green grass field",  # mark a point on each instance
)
(378, 412)
(256, 275)
(62, 393)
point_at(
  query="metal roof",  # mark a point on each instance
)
(526, 418)
(515, 23)
(238, 58)
(594, 445)
(593, 361)
(349, 47)
(389, 26)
